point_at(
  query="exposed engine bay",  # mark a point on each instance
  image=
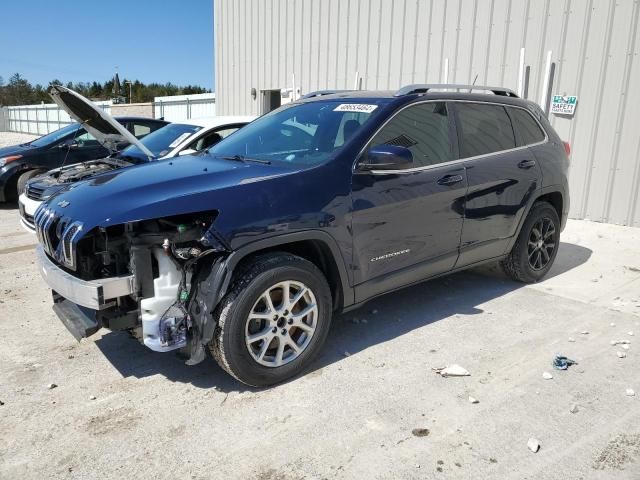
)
(80, 171)
(173, 262)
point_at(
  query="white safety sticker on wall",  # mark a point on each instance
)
(180, 139)
(355, 107)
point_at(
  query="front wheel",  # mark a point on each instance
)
(274, 321)
(536, 247)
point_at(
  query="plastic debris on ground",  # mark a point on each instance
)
(534, 445)
(547, 376)
(630, 392)
(560, 362)
(452, 371)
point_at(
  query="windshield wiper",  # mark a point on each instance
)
(241, 158)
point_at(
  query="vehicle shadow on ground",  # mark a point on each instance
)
(13, 205)
(396, 314)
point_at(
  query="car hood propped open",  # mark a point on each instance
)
(96, 121)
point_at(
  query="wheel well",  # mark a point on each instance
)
(10, 187)
(555, 199)
(318, 253)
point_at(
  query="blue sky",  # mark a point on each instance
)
(84, 40)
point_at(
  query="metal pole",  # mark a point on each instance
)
(293, 87)
(545, 85)
(355, 81)
(521, 73)
(445, 74)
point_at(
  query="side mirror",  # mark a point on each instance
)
(187, 151)
(387, 157)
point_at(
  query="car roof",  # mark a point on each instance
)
(217, 121)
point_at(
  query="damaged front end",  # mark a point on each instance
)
(159, 279)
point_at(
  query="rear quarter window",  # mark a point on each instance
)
(527, 129)
(483, 129)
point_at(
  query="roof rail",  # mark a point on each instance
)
(424, 88)
(320, 93)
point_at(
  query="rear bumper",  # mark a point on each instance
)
(93, 294)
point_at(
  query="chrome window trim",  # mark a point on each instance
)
(452, 162)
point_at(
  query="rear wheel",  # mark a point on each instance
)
(274, 321)
(536, 247)
(24, 178)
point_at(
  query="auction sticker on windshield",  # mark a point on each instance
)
(355, 107)
(180, 139)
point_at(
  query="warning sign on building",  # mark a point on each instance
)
(564, 105)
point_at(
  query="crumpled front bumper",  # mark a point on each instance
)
(93, 294)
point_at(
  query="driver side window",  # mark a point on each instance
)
(85, 140)
(423, 129)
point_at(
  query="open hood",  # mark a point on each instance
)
(96, 121)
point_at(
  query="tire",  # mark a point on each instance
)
(527, 262)
(23, 179)
(258, 363)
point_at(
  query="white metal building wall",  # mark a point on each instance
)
(323, 43)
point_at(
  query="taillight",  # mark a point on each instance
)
(567, 148)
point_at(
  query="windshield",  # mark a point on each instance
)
(53, 137)
(163, 140)
(300, 134)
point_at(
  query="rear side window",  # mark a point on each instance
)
(484, 129)
(527, 129)
(423, 129)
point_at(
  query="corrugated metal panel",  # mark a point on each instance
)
(261, 44)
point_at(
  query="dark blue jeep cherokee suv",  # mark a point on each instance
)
(248, 248)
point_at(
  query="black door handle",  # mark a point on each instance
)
(527, 164)
(450, 180)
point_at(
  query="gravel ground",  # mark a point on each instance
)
(11, 138)
(371, 408)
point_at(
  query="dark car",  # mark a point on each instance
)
(316, 207)
(70, 144)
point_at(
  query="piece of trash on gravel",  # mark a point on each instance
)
(420, 432)
(473, 400)
(630, 392)
(547, 376)
(534, 445)
(560, 362)
(620, 342)
(584, 332)
(574, 408)
(51, 386)
(452, 371)
(621, 354)
(92, 397)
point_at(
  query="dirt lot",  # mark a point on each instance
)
(122, 411)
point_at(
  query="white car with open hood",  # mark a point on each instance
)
(172, 140)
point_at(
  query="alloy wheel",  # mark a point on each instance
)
(281, 323)
(542, 243)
